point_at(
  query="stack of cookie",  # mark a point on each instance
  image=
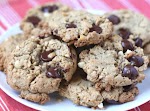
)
(87, 58)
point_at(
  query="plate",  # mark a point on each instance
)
(54, 105)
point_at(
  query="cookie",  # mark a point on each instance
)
(83, 92)
(127, 22)
(7, 46)
(79, 27)
(33, 17)
(35, 97)
(38, 65)
(115, 63)
(147, 50)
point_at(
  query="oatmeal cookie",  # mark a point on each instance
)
(117, 62)
(127, 22)
(38, 65)
(79, 27)
(7, 46)
(83, 92)
(33, 17)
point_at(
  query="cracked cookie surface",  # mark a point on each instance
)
(83, 92)
(79, 27)
(33, 17)
(117, 62)
(38, 65)
(127, 22)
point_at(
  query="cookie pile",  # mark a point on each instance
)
(89, 59)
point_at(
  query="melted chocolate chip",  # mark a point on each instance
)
(114, 19)
(127, 45)
(34, 20)
(138, 42)
(127, 88)
(124, 33)
(136, 61)
(95, 28)
(49, 9)
(130, 72)
(71, 25)
(54, 72)
(111, 101)
(44, 56)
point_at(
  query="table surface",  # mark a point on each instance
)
(12, 11)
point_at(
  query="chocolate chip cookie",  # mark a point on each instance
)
(7, 46)
(33, 17)
(83, 92)
(79, 27)
(115, 63)
(38, 65)
(147, 50)
(127, 22)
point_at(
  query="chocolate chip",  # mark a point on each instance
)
(127, 88)
(34, 20)
(49, 9)
(124, 33)
(53, 72)
(44, 56)
(95, 28)
(55, 31)
(114, 19)
(71, 25)
(136, 61)
(130, 72)
(127, 45)
(138, 42)
(111, 101)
